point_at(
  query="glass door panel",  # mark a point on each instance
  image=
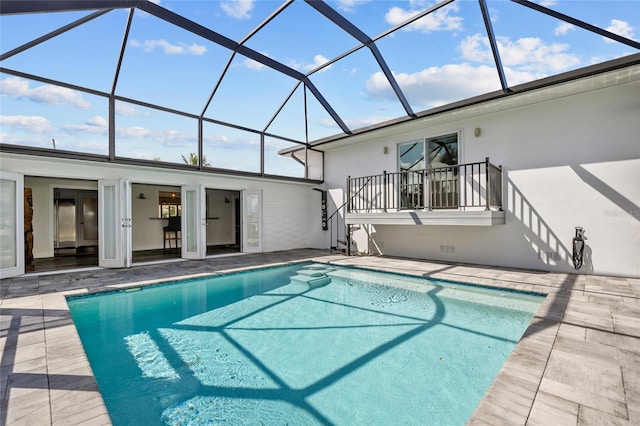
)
(11, 224)
(193, 234)
(114, 224)
(411, 163)
(443, 175)
(252, 220)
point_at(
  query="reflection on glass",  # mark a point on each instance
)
(443, 153)
(192, 222)
(253, 220)
(411, 155)
(8, 246)
(109, 209)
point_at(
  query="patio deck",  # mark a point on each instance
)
(578, 363)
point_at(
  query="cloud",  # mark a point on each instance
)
(253, 64)
(528, 54)
(19, 88)
(239, 9)
(621, 28)
(350, 5)
(95, 125)
(169, 48)
(126, 109)
(548, 3)
(318, 60)
(440, 20)
(437, 86)
(563, 28)
(133, 132)
(27, 123)
(167, 137)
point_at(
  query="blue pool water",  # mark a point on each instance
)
(299, 345)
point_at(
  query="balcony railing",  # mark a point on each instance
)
(462, 186)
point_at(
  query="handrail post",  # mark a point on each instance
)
(348, 193)
(487, 183)
(428, 191)
(384, 190)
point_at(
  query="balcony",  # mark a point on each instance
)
(463, 194)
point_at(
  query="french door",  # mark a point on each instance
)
(252, 222)
(11, 224)
(114, 223)
(194, 222)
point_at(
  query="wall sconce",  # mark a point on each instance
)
(141, 196)
(385, 150)
(477, 132)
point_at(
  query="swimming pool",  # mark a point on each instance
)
(302, 344)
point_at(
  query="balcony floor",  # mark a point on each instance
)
(426, 217)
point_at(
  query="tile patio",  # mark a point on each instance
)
(578, 363)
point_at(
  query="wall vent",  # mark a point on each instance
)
(447, 249)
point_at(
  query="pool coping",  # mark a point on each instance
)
(586, 330)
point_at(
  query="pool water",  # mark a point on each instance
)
(304, 344)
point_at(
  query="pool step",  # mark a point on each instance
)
(313, 276)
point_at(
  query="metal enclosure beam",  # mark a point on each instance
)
(359, 35)
(15, 7)
(494, 45)
(223, 41)
(52, 34)
(579, 23)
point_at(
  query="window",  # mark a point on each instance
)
(169, 204)
(442, 155)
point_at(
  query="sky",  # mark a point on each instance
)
(442, 58)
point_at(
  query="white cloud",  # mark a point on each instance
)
(126, 109)
(175, 138)
(563, 28)
(97, 121)
(253, 64)
(528, 54)
(167, 137)
(621, 28)
(19, 88)
(318, 60)
(239, 9)
(27, 123)
(95, 125)
(350, 5)
(440, 20)
(169, 48)
(548, 3)
(436, 86)
(133, 132)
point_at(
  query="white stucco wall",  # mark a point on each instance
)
(291, 210)
(571, 161)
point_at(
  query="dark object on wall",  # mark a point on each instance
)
(323, 207)
(578, 248)
(28, 229)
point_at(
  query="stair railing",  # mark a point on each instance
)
(335, 216)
